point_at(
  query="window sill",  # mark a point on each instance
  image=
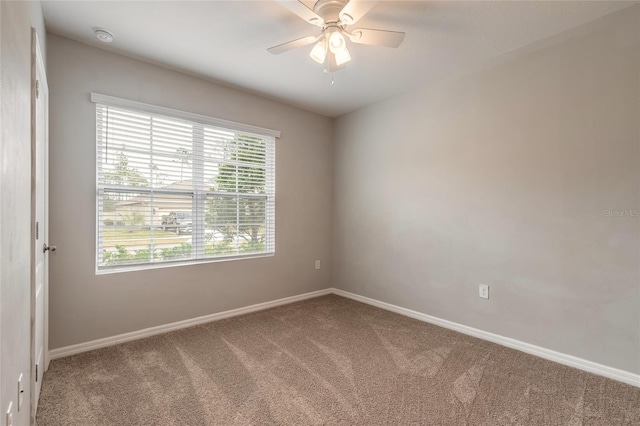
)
(151, 266)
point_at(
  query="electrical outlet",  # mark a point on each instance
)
(483, 290)
(317, 264)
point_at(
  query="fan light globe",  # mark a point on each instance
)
(319, 52)
(337, 42)
(342, 57)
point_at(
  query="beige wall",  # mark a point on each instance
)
(15, 205)
(504, 176)
(84, 306)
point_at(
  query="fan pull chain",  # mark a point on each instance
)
(326, 71)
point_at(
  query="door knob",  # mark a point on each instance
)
(46, 247)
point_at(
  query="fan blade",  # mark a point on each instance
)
(356, 9)
(376, 37)
(284, 47)
(303, 11)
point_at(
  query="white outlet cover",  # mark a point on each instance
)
(483, 291)
(317, 264)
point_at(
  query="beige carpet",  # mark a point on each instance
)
(330, 361)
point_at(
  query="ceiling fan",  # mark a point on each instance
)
(334, 16)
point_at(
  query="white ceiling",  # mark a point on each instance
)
(226, 42)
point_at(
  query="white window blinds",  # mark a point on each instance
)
(171, 189)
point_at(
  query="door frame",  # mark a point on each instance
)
(37, 66)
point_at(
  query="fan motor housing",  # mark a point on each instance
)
(330, 10)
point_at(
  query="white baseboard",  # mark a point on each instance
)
(147, 332)
(569, 360)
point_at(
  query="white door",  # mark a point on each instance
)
(41, 250)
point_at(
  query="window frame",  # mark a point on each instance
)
(198, 196)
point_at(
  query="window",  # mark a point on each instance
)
(179, 187)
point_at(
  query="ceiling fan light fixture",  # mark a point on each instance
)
(319, 51)
(337, 42)
(334, 17)
(342, 57)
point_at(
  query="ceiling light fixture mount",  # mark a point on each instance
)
(103, 35)
(333, 16)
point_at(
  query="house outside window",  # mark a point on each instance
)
(176, 188)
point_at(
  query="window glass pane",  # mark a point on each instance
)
(143, 227)
(240, 221)
(174, 190)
